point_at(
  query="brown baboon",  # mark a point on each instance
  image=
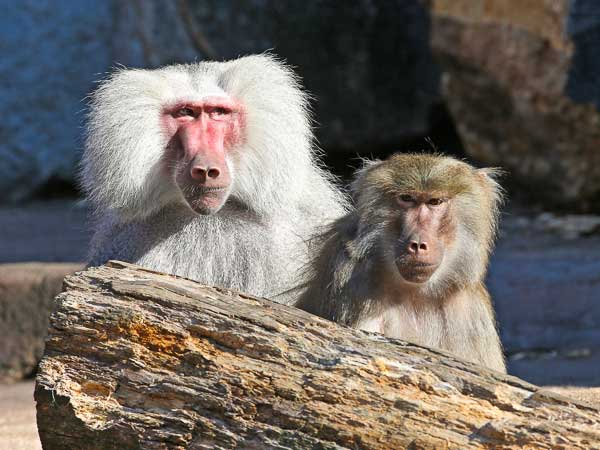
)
(409, 262)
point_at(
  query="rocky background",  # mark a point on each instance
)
(505, 83)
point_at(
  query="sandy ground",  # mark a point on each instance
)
(18, 430)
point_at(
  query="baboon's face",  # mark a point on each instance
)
(424, 231)
(201, 136)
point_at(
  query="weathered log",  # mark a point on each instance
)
(138, 359)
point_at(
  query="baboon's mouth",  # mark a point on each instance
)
(416, 271)
(207, 200)
(423, 264)
(209, 190)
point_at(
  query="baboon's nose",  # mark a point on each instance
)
(201, 173)
(415, 247)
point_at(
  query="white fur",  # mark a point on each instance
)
(278, 196)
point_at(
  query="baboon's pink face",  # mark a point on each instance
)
(201, 136)
(425, 230)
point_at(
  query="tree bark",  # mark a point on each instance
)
(139, 359)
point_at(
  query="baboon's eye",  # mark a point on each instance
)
(435, 201)
(184, 112)
(406, 198)
(218, 112)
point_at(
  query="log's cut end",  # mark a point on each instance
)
(138, 359)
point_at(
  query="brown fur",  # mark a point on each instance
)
(354, 279)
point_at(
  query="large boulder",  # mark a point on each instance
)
(52, 52)
(521, 82)
(368, 64)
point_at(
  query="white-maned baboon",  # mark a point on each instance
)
(410, 261)
(207, 171)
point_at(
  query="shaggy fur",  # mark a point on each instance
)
(257, 241)
(354, 280)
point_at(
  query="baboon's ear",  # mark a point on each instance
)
(367, 166)
(493, 173)
(489, 177)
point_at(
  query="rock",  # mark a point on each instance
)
(51, 231)
(521, 82)
(554, 367)
(545, 286)
(374, 81)
(565, 227)
(570, 226)
(27, 292)
(138, 359)
(52, 52)
(589, 395)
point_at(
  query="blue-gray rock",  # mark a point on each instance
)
(545, 282)
(367, 63)
(51, 52)
(368, 66)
